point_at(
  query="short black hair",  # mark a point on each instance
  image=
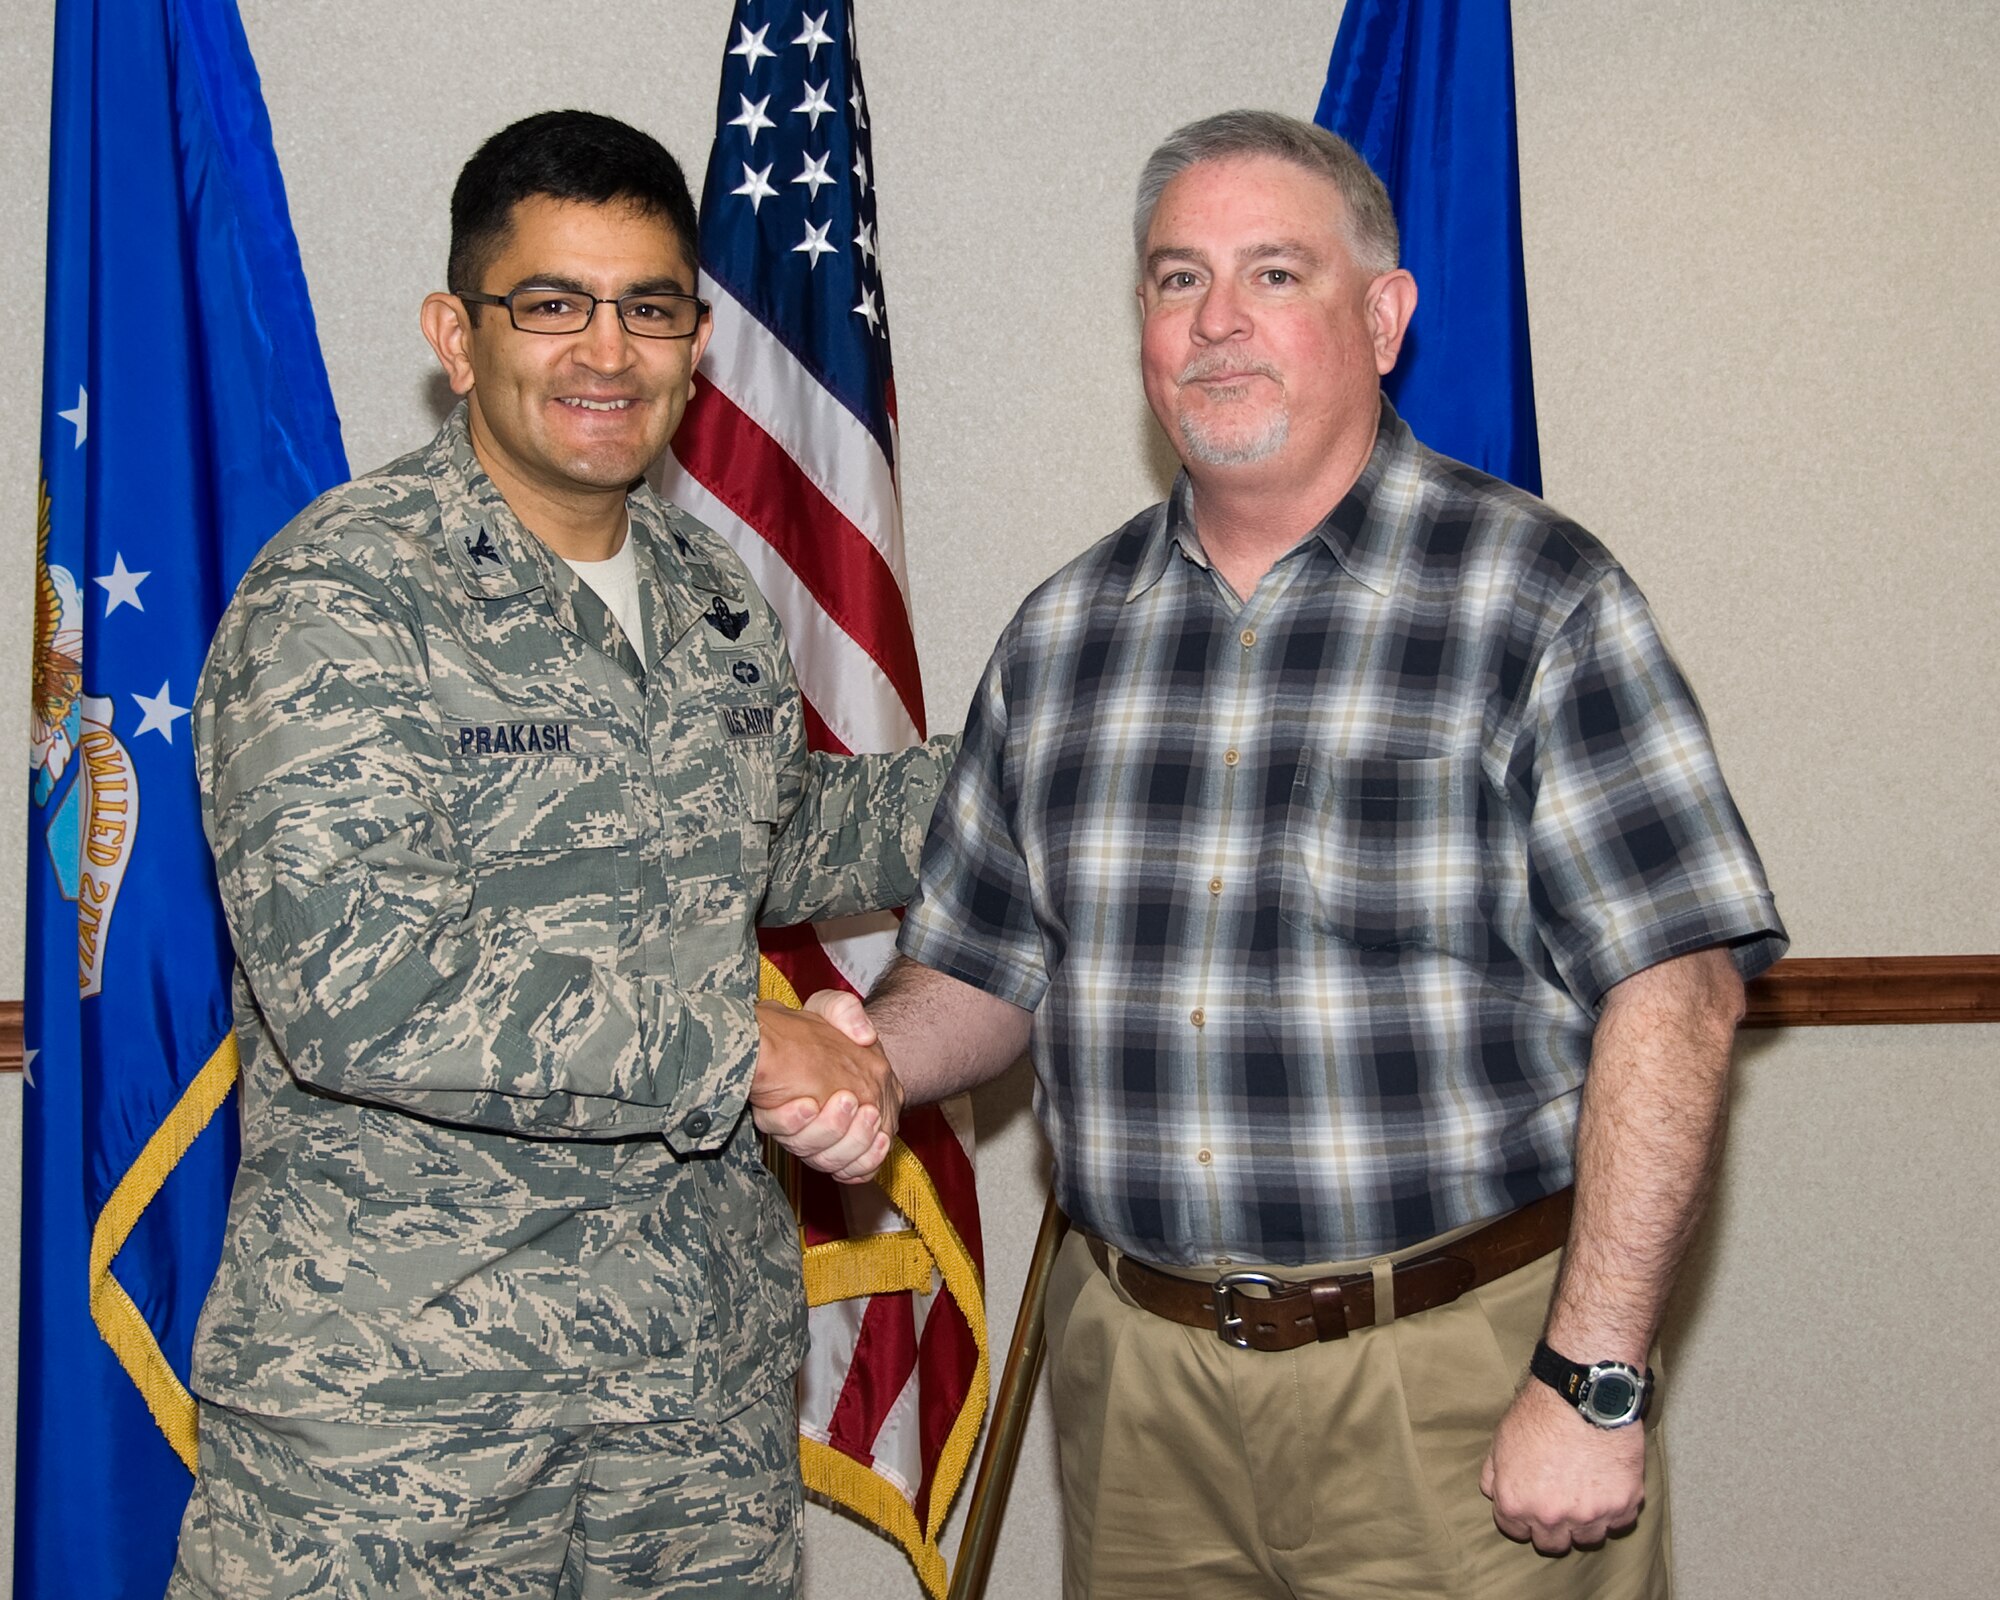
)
(566, 155)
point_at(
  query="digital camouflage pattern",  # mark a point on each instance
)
(299, 1509)
(492, 889)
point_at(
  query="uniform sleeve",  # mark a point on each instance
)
(852, 840)
(972, 916)
(1636, 852)
(357, 916)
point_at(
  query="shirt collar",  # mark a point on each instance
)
(1172, 531)
(1368, 532)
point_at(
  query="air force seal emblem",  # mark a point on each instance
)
(92, 803)
(55, 719)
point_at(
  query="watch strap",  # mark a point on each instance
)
(1558, 1371)
(1568, 1379)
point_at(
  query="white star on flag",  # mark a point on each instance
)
(121, 586)
(814, 175)
(861, 169)
(813, 35)
(79, 415)
(865, 240)
(815, 244)
(860, 107)
(815, 104)
(752, 117)
(756, 186)
(751, 46)
(28, 1064)
(867, 312)
(161, 713)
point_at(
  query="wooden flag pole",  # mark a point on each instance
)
(1010, 1416)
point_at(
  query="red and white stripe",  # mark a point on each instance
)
(801, 490)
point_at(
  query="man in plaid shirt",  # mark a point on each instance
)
(1354, 854)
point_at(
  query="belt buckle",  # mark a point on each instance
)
(1228, 1322)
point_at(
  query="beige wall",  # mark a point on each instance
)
(1759, 238)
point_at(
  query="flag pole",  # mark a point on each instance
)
(1011, 1406)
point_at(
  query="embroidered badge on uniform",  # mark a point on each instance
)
(730, 624)
(746, 672)
(514, 738)
(749, 722)
(481, 549)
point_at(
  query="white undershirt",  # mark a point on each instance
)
(616, 583)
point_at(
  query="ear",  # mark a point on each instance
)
(1391, 302)
(701, 337)
(447, 325)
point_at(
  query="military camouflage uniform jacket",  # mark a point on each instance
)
(492, 887)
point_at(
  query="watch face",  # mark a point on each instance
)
(1612, 1395)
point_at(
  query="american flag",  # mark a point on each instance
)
(789, 451)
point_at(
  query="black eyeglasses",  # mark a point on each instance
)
(645, 316)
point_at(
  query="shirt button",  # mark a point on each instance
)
(1230, 758)
(1203, 1157)
(1197, 1016)
(696, 1123)
(1249, 637)
(1215, 886)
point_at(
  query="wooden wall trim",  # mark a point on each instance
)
(1804, 992)
(1859, 991)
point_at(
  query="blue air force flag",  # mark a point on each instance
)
(185, 418)
(1424, 89)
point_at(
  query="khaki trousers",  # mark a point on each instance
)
(1349, 1468)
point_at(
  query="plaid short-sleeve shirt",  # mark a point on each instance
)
(1315, 895)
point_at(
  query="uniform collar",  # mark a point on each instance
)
(496, 557)
(679, 583)
(1368, 532)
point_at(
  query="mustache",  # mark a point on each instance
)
(1216, 363)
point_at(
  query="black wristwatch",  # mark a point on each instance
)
(1606, 1394)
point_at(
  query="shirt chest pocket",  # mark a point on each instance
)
(754, 765)
(723, 797)
(1384, 854)
(551, 839)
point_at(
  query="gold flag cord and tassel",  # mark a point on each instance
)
(118, 1318)
(889, 1263)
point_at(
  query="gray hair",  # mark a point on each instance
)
(1370, 222)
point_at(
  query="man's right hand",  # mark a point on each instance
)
(846, 1012)
(831, 1101)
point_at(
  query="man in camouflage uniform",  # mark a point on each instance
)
(509, 1304)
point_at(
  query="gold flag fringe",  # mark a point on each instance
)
(879, 1264)
(118, 1319)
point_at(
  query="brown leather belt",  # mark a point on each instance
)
(1285, 1315)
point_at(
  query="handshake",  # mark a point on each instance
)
(823, 1087)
